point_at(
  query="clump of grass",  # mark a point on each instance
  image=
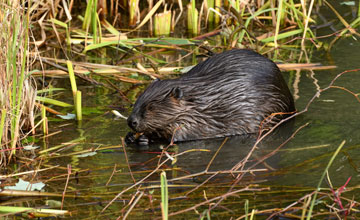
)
(91, 20)
(17, 93)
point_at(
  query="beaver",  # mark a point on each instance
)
(230, 93)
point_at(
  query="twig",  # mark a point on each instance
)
(127, 160)
(216, 153)
(27, 172)
(216, 198)
(139, 182)
(66, 184)
(112, 174)
(217, 172)
(132, 206)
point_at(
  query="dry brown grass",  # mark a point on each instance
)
(17, 91)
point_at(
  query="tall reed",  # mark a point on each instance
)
(162, 23)
(17, 94)
(192, 18)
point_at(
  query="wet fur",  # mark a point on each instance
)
(228, 94)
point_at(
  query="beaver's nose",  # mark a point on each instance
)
(133, 122)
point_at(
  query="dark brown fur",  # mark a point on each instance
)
(228, 94)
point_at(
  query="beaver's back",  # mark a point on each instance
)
(227, 94)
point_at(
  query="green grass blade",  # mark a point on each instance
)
(322, 178)
(72, 77)
(164, 196)
(60, 23)
(280, 13)
(52, 101)
(2, 123)
(282, 35)
(246, 207)
(78, 106)
(43, 116)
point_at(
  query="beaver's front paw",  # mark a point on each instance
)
(139, 139)
(142, 140)
(130, 138)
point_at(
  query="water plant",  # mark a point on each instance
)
(17, 92)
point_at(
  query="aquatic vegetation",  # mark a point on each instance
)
(17, 91)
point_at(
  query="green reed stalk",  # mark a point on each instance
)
(307, 18)
(11, 61)
(133, 11)
(195, 17)
(205, 213)
(76, 93)
(246, 207)
(52, 101)
(252, 214)
(322, 178)
(210, 4)
(2, 123)
(217, 8)
(72, 77)
(91, 19)
(88, 13)
(78, 106)
(162, 23)
(164, 196)
(235, 4)
(192, 18)
(296, 13)
(94, 19)
(45, 122)
(278, 21)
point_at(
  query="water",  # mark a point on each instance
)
(291, 173)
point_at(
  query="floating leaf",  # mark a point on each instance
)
(89, 154)
(350, 3)
(68, 116)
(25, 185)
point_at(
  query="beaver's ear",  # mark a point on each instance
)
(177, 93)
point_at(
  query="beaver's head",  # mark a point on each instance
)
(157, 110)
